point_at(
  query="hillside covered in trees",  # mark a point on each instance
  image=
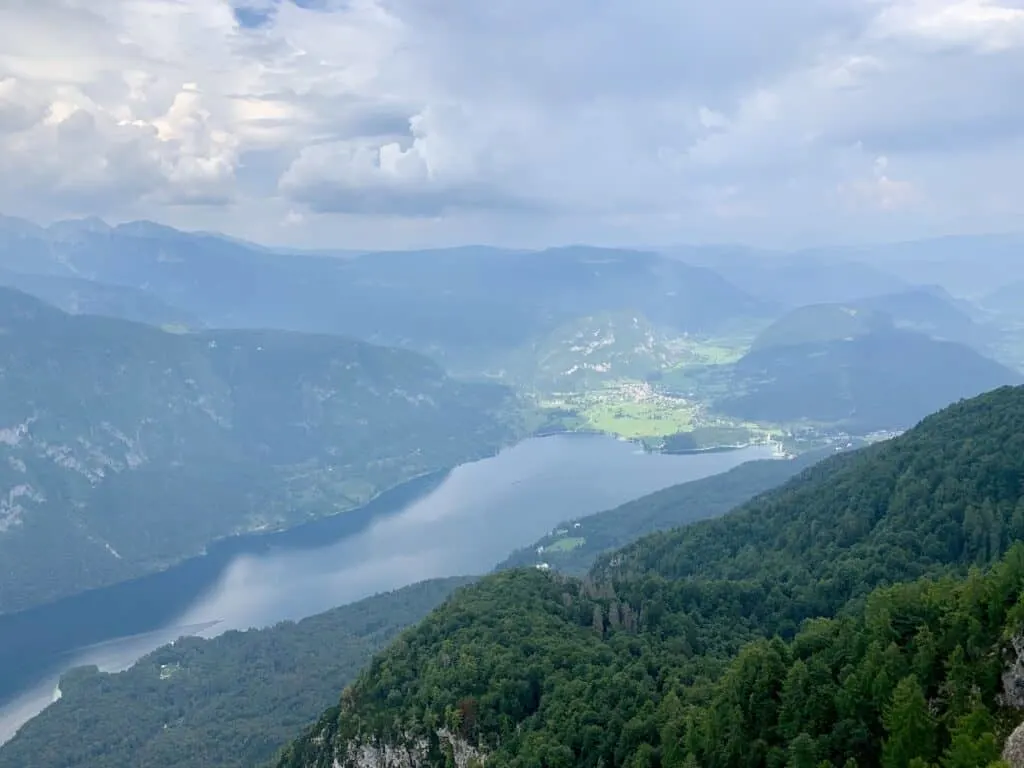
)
(231, 701)
(772, 636)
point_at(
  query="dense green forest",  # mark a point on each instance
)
(769, 637)
(232, 701)
(575, 544)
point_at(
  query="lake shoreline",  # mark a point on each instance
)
(27, 632)
(441, 524)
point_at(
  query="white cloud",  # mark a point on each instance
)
(985, 26)
(364, 122)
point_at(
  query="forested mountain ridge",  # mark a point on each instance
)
(124, 448)
(624, 668)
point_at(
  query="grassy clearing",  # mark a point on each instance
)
(627, 408)
(691, 352)
(643, 419)
(567, 544)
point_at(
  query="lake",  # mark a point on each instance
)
(462, 522)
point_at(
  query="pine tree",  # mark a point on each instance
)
(910, 728)
(972, 742)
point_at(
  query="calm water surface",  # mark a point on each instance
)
(461, 523)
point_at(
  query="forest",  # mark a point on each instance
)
(863, 614)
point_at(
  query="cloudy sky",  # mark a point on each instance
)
(384, 123)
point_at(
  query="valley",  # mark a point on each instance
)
(502, 384)
(180, 453)
(461, 523)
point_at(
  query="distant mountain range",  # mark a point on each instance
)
(792, 280)
(871, 378)
(124, 447)
(79, 296)
(460, 305)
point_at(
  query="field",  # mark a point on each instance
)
(566, 545)
(631, 409)
(636, 410)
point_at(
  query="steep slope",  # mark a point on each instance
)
(574, 545)
(230, 701)
(917, 675)
(532, 668)
(124, 448)
(880, 379)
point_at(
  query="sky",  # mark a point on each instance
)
(393, 123)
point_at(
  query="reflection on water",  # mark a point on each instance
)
(478, 515)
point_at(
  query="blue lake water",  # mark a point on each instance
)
(461, 522)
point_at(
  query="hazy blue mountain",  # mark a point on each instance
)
(880, 378)
(792, 280)
(124, 447)
(932, 311)
(459, 304)
(1007, 299)
(965, 265)
(88, 297)
(818, 323)
(924, 310)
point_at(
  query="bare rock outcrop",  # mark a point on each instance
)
(1013, 697)
(412, 753)
(1013, 675)
(1013, 750)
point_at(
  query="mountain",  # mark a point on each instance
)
(965, 265)
(794, 280)
(574, 545)
(820, 323)
(924, 310)
(933, 312)
(849, 370)
(1007, 299)
(588, 351)
(464, 306)
(661, 656)
(232, 701)
(87, 297)
(124, 448)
